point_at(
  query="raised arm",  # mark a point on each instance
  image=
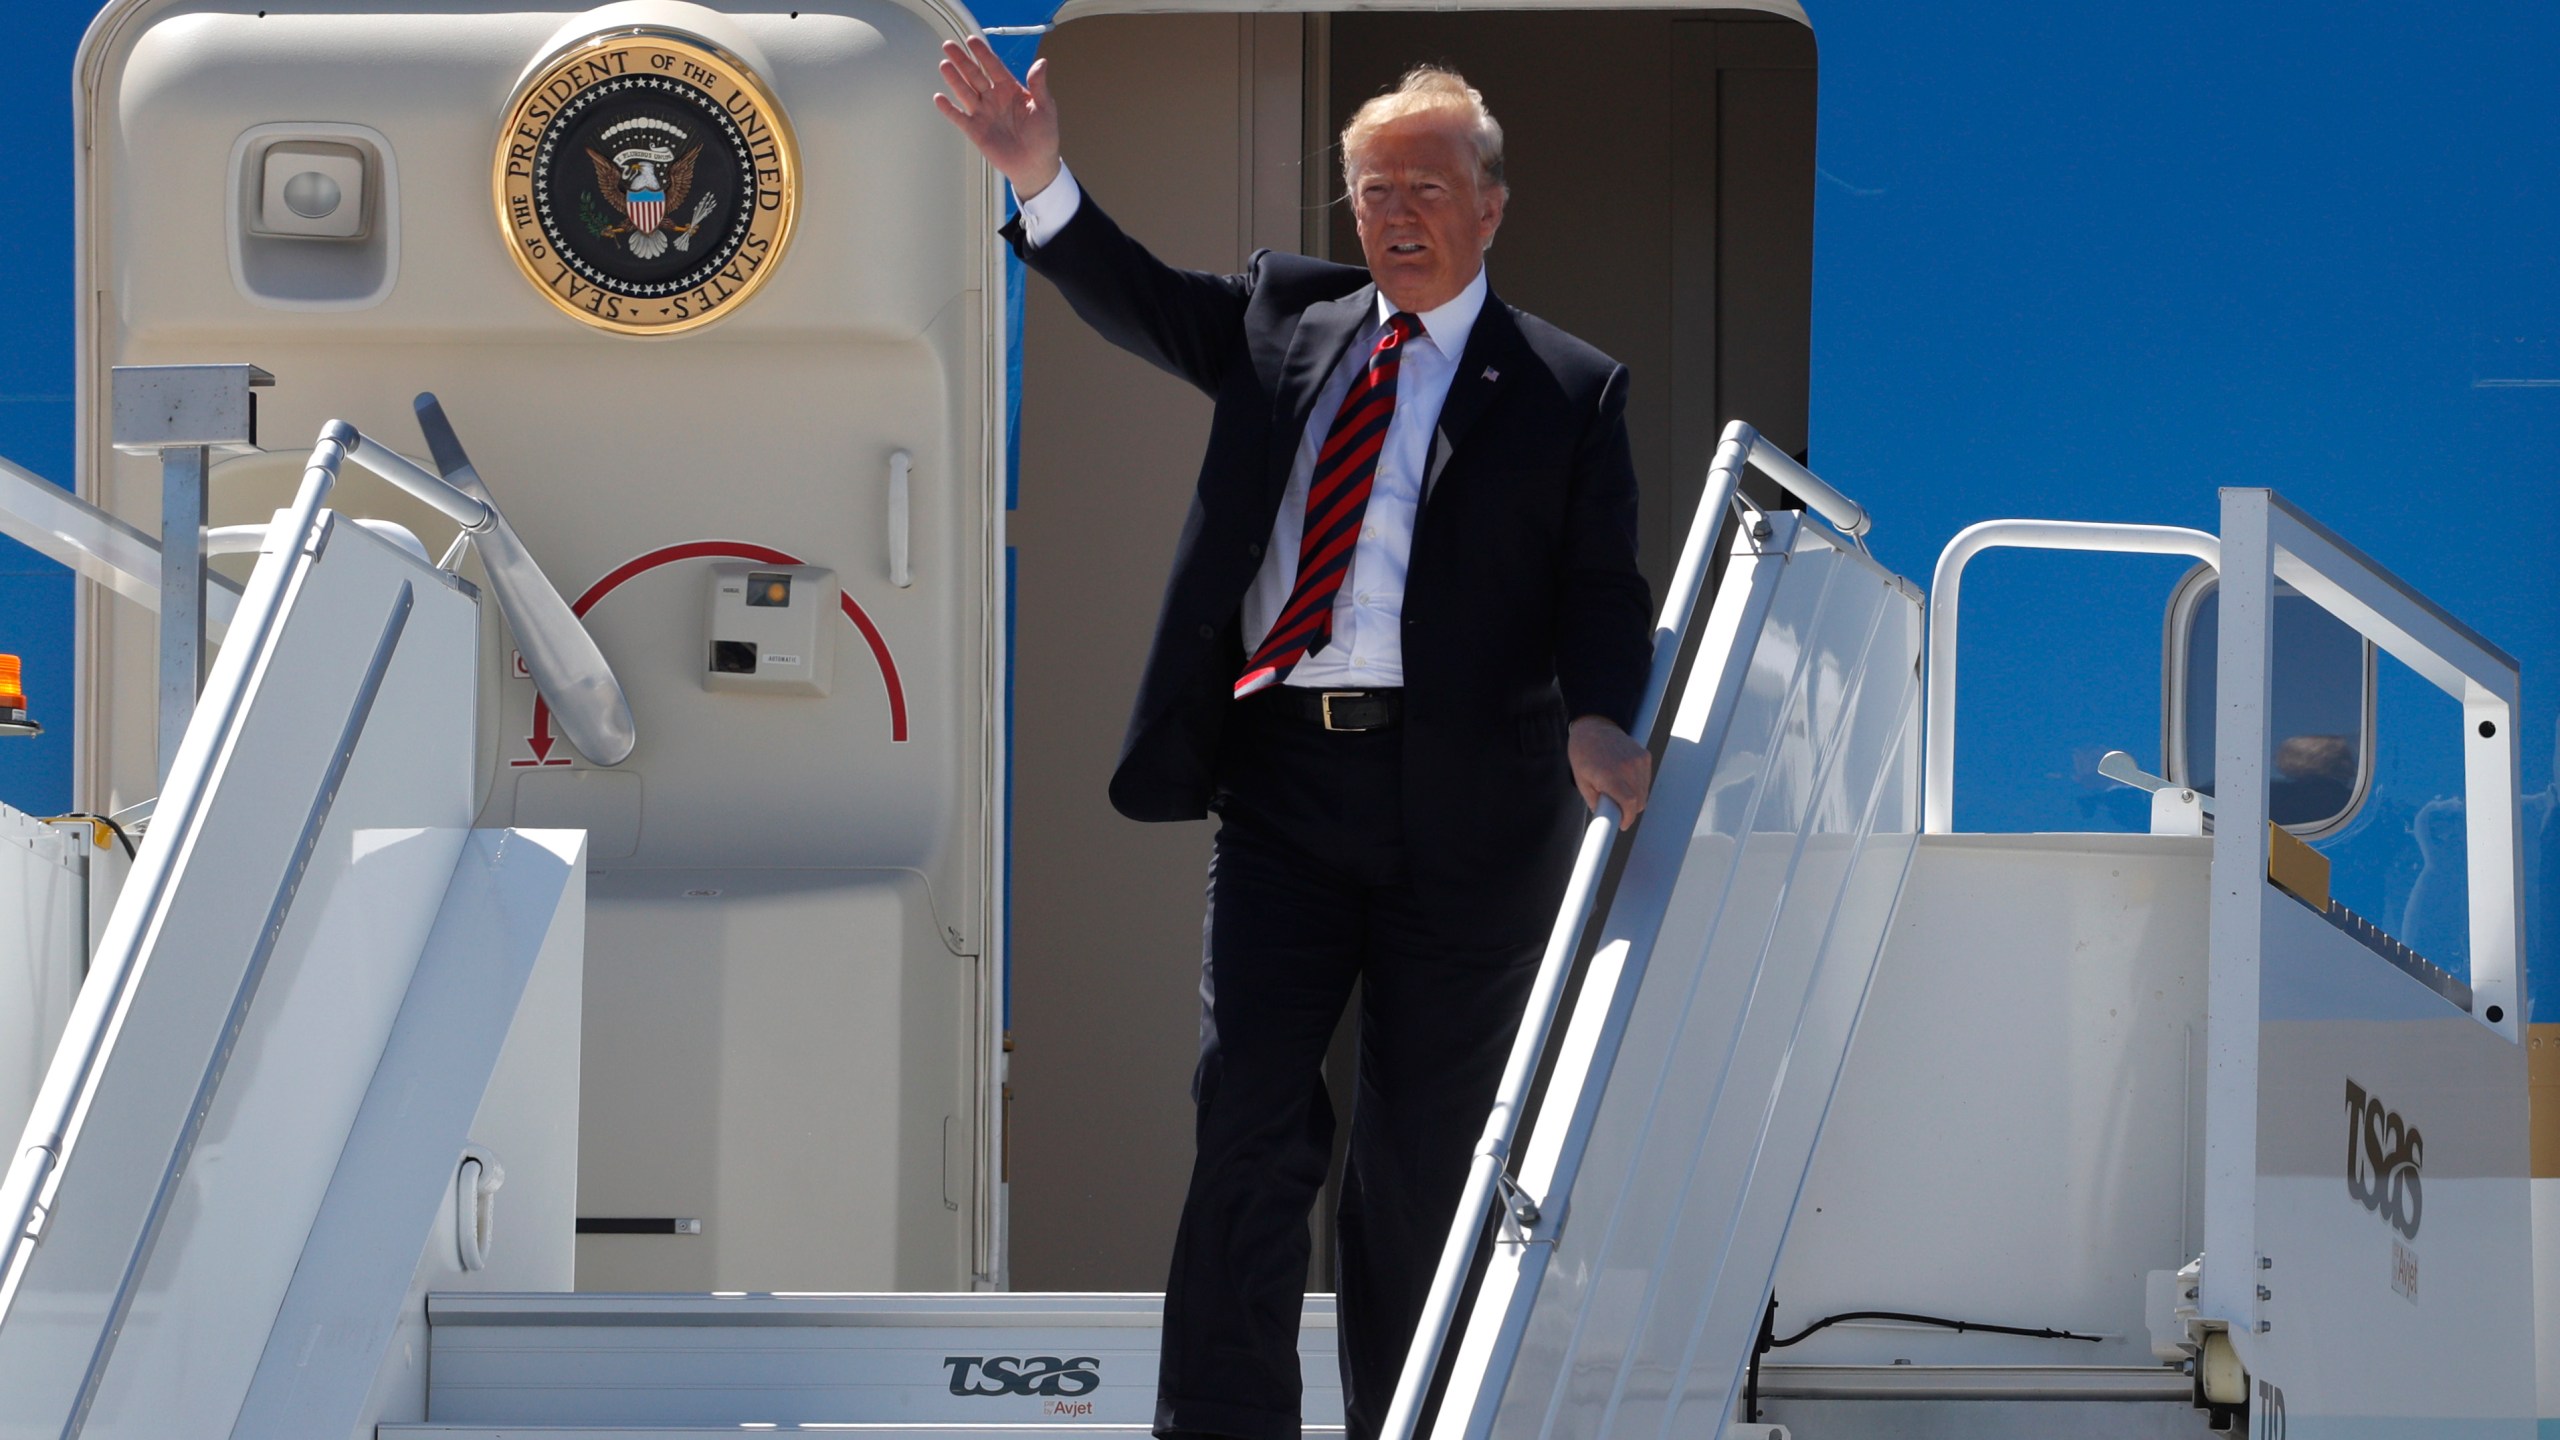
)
(1187, 322)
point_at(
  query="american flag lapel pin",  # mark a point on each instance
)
(1491, 374)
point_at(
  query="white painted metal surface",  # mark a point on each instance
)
(1965, 1417)
(559, 655)
(514, 909)
(872, 1360)
(44, 949)
(2387, 1283)
(1819, 495)
(2018, 1130)
(1982, 1402)
(733, 987)
(1693, 1079)
(527, 1128)
(2423, 1327)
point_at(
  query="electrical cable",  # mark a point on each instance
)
(96, 821)
(1769, 1340)
(1941, 1322)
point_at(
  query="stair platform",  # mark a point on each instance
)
(671, 1367)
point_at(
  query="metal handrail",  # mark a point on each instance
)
(62, 527)
(463, 510)
(176, 820)
(1938, 754)
(1846, 515)
(1488, 1172)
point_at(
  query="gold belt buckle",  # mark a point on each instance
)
(1329, 697)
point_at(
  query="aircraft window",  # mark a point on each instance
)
(2320, 744)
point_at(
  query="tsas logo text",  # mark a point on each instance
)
(1023, 1374)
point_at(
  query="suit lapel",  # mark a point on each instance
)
(1482, 371)
(1325, 330)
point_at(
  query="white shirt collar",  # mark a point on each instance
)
(1448, 326)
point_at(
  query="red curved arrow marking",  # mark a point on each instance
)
(541, 740)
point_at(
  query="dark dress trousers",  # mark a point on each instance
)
(1424, 860)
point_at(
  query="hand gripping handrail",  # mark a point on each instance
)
(1938, 755)
(1488, 1172)
(566, 666)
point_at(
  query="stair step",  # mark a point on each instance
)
(949, 1365)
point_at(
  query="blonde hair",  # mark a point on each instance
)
(1427, 87)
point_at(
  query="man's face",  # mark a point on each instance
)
(1424, 211)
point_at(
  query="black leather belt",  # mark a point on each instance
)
(1341, 710)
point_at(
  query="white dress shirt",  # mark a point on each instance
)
(1367, 648)
(1044, 214)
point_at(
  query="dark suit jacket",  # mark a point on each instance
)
(1522, 606)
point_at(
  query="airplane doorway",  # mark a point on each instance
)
(1669, 224)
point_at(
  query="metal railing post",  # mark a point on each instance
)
(182, 413)
(182, 645)
(1946, 591)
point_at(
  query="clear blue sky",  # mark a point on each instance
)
(2094, 262)
(2072, 261)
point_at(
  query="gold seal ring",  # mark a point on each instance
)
(646, 181)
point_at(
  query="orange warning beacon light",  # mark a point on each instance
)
(13, 701)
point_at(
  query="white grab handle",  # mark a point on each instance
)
(901, 572)
(475, 1200)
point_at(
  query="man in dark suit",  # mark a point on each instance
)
(1404, 627)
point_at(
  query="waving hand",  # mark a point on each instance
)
(1015, 126)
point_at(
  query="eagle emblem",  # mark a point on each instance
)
(644, 180)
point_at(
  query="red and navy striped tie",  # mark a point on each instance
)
(1337, 498)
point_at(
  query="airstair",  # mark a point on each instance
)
(330, 1023)
(273, 1091)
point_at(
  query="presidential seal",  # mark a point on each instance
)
(646, 181)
